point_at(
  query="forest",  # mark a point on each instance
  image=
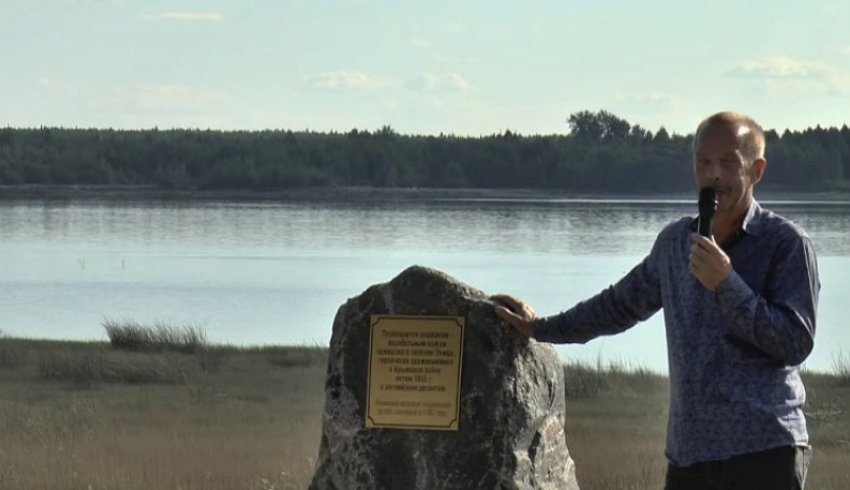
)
(600, 152)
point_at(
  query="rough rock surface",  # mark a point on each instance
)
(512, 402)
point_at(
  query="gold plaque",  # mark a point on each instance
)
(414, 372)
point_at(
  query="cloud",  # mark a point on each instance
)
(43, 81)
(344, 80)
(786, 75)
(179, 97)
(445, 82)
(782, 68)
(420, 43)
(189, 16)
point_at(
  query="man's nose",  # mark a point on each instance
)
(714, 171)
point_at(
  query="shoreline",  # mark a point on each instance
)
(37, 192)
(840, 370)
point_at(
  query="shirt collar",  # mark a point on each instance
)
(752, 220)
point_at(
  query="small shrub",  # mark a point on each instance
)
(133, 336)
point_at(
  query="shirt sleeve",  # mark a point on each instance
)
(781, 322)
(633, 298)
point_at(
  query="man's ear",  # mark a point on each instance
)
(757, 169)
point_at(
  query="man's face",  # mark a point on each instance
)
(720, 163)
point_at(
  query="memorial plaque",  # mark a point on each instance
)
(414, 372)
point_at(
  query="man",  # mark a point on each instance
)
(739, 310)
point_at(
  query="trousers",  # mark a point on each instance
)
(781, 468)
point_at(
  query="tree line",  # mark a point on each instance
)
(600, 153)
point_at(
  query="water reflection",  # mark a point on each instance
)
(257, 273)
(575, 227)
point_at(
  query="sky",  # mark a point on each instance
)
(459, 67)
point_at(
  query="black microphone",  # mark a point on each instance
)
(707, 207)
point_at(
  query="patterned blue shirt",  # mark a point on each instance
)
(734, 355)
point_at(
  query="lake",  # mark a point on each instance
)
(275, 272)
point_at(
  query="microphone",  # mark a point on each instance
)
(707, 206)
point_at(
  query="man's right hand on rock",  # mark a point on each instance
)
(516, 312)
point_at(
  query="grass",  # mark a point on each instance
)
(89, 368)
(134, 336)
(841, 368)
(583, 380)
(80, 415)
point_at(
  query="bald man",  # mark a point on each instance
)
(739, 310)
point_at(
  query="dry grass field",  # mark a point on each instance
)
(185, 415)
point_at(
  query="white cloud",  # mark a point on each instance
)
(786, 75)
(179, 97)
(445, 82)
(43, 81)
(344, 80)
(782, 67)
(189, 16)
(420, 43)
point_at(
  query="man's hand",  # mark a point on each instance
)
(516, 312)
(709, 264)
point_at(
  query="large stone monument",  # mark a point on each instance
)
(510, 430)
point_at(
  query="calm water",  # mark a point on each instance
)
(275, 273)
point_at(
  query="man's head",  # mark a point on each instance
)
(729, 156)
